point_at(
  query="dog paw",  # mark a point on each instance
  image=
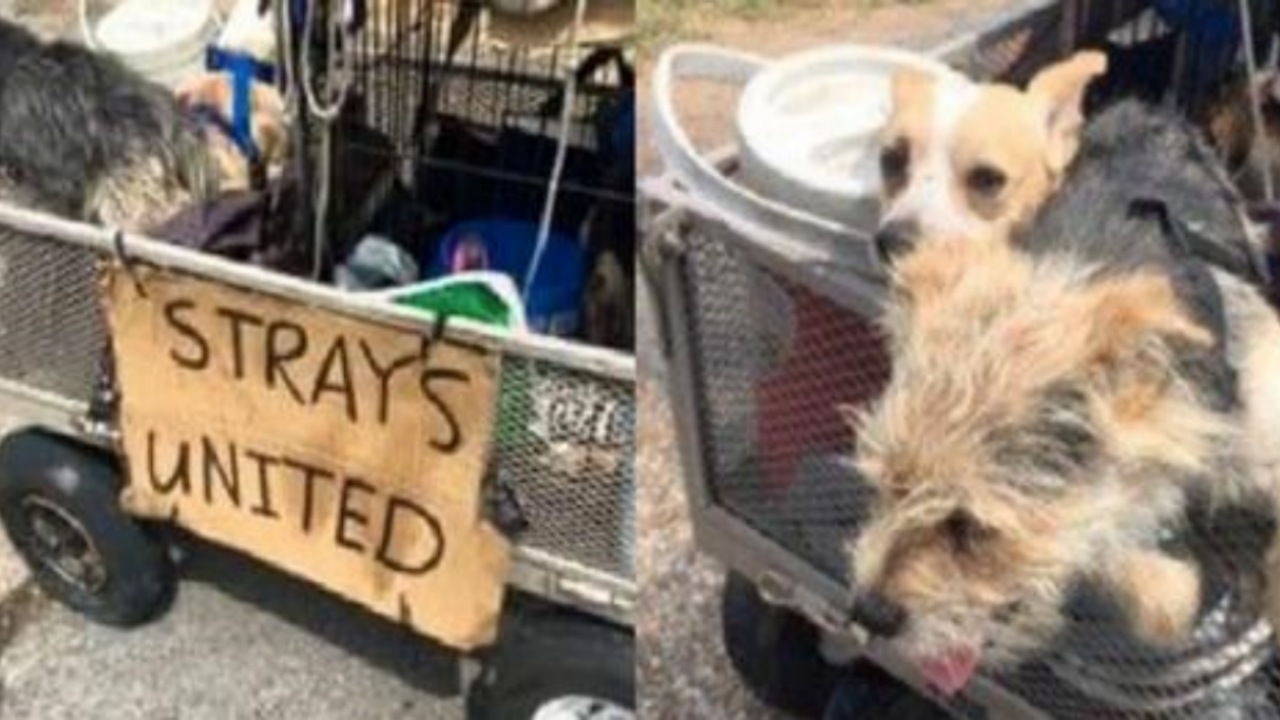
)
(1160, 596)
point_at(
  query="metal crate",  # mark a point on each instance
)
(459, 124)
(764, 338)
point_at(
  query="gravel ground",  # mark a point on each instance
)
(242, 641)
(681, 668)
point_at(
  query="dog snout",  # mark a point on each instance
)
(878, 614)
(896, 238)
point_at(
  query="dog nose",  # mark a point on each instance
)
(878, 614)
(895, 238)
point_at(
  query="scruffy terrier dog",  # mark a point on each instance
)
(84, 137)
(1060, 396)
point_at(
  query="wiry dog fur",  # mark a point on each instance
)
(1059, 398)
(84, 137)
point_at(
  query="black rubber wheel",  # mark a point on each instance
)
(775, 651)
(552, 665)
(59, 506)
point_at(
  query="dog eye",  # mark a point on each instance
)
(894, 160)
(986, 180)
(964, 531)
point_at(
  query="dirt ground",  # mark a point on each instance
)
(682, 670)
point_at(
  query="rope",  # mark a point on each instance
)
(325, 112)
(562, 149)
(1255, 102)
(284, 56)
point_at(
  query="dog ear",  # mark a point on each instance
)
(1136, 332)
(1061, 88)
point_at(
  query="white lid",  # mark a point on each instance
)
(808, 127)
(146, 26)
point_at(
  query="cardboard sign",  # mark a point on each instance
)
(345, 451)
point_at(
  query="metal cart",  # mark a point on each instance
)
(561, 472)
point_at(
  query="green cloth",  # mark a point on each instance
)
(477, 299)
(474, 300)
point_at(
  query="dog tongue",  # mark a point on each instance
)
(950, 672)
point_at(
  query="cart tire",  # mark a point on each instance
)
(775, 651)
(59, 504)
(554, 665)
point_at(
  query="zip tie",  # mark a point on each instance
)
(127, 262)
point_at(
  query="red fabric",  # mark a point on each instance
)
(836, 358)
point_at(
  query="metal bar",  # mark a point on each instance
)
(41, 408)
(601, 594)
(594, 360)
(519, 78)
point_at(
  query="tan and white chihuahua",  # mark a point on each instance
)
(959, 158)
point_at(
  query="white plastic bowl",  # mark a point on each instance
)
(163, 40)
(808, 127)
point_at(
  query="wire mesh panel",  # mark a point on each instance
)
(566, 450)
(774, 360)
(52, 336)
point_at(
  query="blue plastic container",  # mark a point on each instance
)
(553, 305)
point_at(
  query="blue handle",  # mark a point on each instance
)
(244, 70)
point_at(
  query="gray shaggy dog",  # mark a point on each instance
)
(84, 137)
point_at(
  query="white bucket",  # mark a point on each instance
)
(809, 125)
(807, 130)
(163, 40)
